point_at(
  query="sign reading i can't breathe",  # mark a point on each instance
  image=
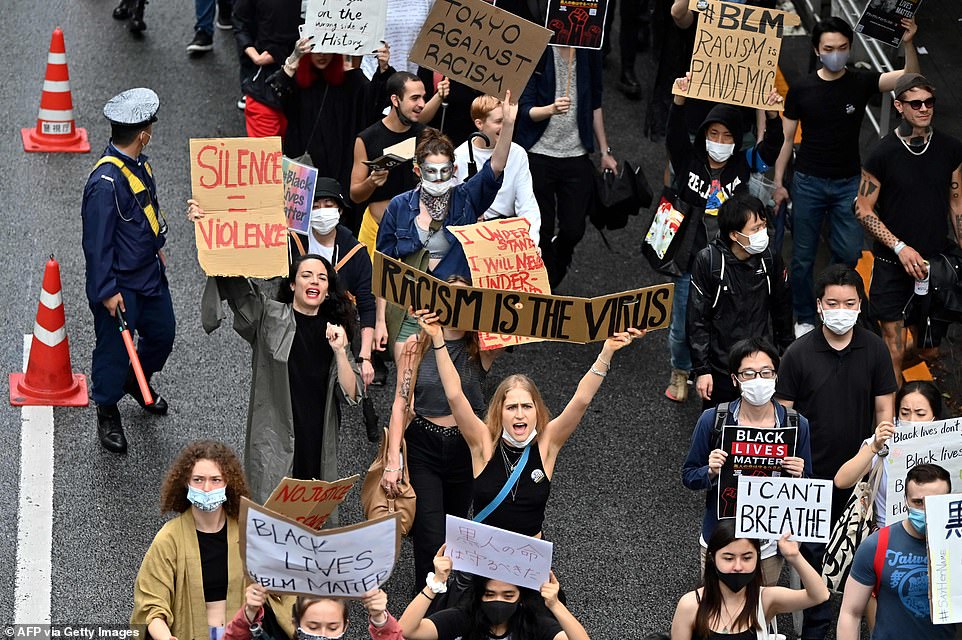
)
(770, 507)
(736, 53)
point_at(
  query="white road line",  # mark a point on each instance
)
(31, 599)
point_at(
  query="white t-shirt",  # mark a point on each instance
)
(516, 196)
(313, 246)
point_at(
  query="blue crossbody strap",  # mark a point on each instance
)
(508, 485)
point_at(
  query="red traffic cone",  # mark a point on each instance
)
(49, 380)
(56, 130)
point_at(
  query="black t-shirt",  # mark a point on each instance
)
(836, 391)
(913, 201)
(831, 115)
(308, 369)
(213, 563)
(452, 624)
(401, 178)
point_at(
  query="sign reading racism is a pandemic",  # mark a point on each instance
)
(239, 183)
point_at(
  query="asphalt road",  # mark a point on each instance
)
(625, 529)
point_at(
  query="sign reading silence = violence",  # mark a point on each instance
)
(735, 57)
(532, 315)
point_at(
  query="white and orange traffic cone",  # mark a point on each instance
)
(49, 380)
(56, 129)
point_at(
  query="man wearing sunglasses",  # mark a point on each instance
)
(909, 199)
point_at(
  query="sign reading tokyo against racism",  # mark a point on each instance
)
(480, 45)
(544, 316)
(915, 443)
(770, 507)
(351, 27)
(287, 557)
(299, 181)
(752, 451)
(736, 53)
(882, 19)
(491, 552)
(577, 23)
(502, 255)
(309, 502)
(943, 518)
(239, 183)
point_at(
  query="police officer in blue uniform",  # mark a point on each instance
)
(123, 237)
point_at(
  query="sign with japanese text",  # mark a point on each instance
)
(285, 556)
(770, 507)
(490, 552)
(736, 53)
(943, 525)
(480, 45)
(752, 451)
(299, 181)
(350, 27)
(502, 256)
(882, 20)
(239, 183)
(577, 23)
(914, 443)
(309, 502)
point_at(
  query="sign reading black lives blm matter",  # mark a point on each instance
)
(482, 46)
(736, 53)
(752, 451)
(518, 313)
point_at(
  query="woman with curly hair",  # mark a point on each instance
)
(302, 366)
(191, 575)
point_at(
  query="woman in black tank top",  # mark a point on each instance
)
(732, 604)
(517, 426)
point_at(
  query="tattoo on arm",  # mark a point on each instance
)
(867, 187)
(405, 389)
(878, 229)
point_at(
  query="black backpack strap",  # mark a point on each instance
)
(721, 416)
(792, 418)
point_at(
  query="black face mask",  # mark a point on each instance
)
(497, 611)
(406, 121)
(735, 581)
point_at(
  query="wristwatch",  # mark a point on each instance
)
(363, 359)
(607, 151)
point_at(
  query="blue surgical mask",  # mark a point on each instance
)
(207, 500)
(917, 518)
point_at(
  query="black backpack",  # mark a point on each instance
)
(721, 416)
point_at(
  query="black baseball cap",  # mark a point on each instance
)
(329, 188)
(909, 81)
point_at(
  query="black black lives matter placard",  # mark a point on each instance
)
(752, 451)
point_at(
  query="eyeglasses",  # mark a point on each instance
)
(751, 374)
(917, 104)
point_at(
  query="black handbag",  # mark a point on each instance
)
(670, 234)
(619, 196)
(945, 286)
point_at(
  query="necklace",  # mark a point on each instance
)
(908, 147)
(509, 468)
(727, 628)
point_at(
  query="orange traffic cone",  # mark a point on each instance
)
(49, 379)
(56, 130)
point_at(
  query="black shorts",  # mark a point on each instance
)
(891, 291)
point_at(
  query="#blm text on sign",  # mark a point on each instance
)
(239, 185)
(736, 53)
(519, 313)
(915, 443)
(309, 502)
(350, 27)
(501, 255)
(577, 23)
(770, 507)
(286, 557)
(299, 181)
(491, 552)
(480, 45)
(752, 451)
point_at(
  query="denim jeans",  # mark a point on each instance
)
(677, 335)
(812, 199)
(204, 9)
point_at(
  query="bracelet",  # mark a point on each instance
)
(596, 372)
(439, 348)
(897, 248)
(363, 359)
(394, 470)
(421, 593)
(607, 363)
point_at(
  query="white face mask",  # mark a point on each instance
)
(839, 321)
(757, 242)
(324, 219)
(437, 188)
(719, 151)
(759, 391)
(520, 444)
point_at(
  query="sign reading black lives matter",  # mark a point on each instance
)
(519, 313)
(882, 19)
(770, 507)
(736, 53)
(482, 46)
(577, 23)
(752, 451)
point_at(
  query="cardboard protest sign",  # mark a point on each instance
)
(482, 46)
(736, 53)
(309, 502)
(287, 557)
(490, 552)
(502, 255)
(577, 23)
(882, 20)
(769, 507)
(752, 451)
(351, 27)
(914, 443)
(299, 181)
(239, 183)
(518, 313)
(943, 518)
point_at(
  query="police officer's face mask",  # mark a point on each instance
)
(147, 140)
